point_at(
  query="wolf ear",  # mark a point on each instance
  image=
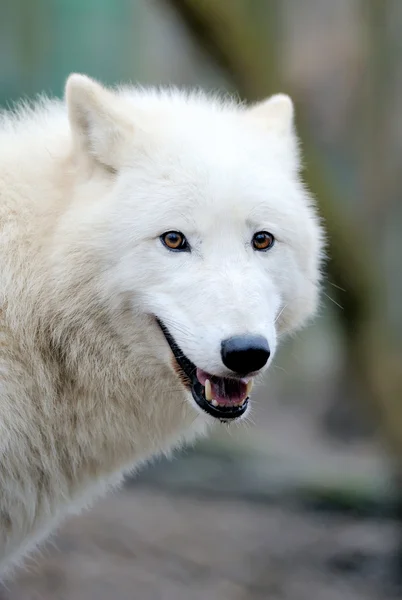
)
(276, 112)
(99, 130)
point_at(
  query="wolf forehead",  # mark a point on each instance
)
(179, 151)
(166, 123)
(192, 149)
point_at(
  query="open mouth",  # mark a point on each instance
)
(221, 397)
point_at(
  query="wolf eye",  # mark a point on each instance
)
(174, 240)
(262, 240)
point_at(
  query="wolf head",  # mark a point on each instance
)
(197, 220)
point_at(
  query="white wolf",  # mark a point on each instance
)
(154, 247)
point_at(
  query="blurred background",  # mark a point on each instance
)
(305, 502)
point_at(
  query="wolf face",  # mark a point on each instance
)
(205, 230)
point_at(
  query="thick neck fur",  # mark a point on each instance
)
(82, 401)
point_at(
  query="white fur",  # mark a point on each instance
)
(87, 385)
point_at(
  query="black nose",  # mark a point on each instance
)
(245, 354)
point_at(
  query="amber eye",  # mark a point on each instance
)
(174, 240)
(262, 240)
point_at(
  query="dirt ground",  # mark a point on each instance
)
(144, 544)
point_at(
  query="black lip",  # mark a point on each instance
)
(189, 370)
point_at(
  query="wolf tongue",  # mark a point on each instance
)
(223, 389)
(228, 391)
